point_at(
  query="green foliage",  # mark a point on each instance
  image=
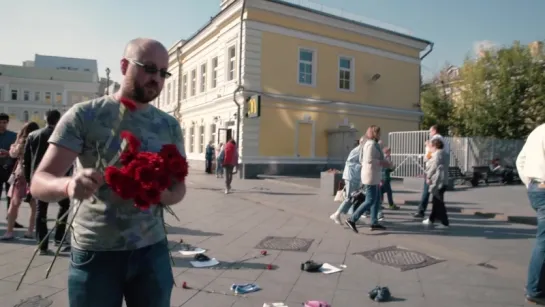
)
(502, 94)
(436, 108)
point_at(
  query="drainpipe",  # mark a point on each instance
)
(420, 75)
(240, 88)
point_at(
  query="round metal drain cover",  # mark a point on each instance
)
(399, 257)
(287, 244)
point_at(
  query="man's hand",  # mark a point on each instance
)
(84, 184)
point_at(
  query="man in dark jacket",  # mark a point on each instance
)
(35, 149)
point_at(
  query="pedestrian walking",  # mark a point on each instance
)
(437, 180)
(531, 170)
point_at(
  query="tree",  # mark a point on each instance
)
(502, 94)
(436, 107)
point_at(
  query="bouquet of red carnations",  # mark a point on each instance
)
(145, 175)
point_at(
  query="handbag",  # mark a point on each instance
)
(340, 195)
(12, 177)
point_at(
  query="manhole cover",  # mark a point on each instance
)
(285, 244)
(399, 258)
(35, 301)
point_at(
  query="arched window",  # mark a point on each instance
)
(25, 116)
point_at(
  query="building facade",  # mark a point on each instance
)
(308, 85)
(27, 92)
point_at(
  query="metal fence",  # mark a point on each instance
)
(408, 148)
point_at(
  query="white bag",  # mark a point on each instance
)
(340, 196)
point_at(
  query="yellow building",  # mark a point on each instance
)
(309, 84)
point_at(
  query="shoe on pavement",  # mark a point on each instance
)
(427, 222)
(393, 207)
(351, 225)
(442, 226)
(535, 300)
(373, 293)
(383, 295)
(245, 288)
(377, 227)
(418, 215)
(335, 217)
(17, 225)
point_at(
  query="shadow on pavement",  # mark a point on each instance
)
(191, 232)
(255, 191)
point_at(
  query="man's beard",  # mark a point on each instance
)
(139, 94)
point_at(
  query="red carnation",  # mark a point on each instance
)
(129, 104)
(133, 142)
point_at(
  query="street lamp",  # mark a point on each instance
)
(107, 81)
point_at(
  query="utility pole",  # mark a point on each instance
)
(107, 81)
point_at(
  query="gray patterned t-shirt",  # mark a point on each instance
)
(110, 223)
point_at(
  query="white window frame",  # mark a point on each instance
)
(192, 138)
(184, 86)
(50, 97)
(351, 71)
(39, 96)
(231, 60)
(313, 63)
(174, 92)
(57, 94)
(203, 76)
(214, 72)
(26, 97)
(201, 138)
(169, 92)
(213, 133)
(16, 91)
(193, 82)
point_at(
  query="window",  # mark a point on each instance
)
(48, 97)
(168, 93)
(1, 96)
(345, 73)
(174, 93)
(203, 78)
(231, 63)
(58, 97)
(214, 81)
(26, 95)
(37, 96)
(184, 86)
(201, 138)
(306, 67)
(14, 94)
(26, 117)
(193, 82)
(213, 133)
(191, 138)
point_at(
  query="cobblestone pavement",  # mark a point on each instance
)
(483, 261)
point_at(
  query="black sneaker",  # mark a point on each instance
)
(45, 252)
(17, 225)
(383, 295)
(377, 227)
(352, 225)
(535, 300)
(373, 293)
(418, 215)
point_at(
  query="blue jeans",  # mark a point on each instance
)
(219, 168)
(351, 187)
(371, 203)
(387, 188)
(425, 198)
(535, 286)
(143, 276)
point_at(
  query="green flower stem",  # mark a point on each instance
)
(77, 203)
(57, 223)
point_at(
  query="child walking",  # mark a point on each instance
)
(387, 180)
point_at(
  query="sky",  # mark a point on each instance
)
(99, 29)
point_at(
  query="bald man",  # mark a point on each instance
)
(118, 251)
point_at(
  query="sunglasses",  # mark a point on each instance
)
(152, 69)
